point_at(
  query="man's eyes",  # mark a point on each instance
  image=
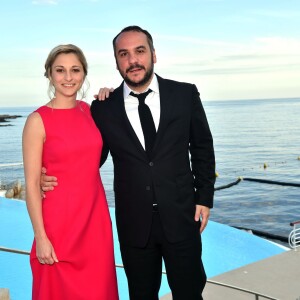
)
(138, 51)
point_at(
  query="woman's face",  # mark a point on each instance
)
(67, 75)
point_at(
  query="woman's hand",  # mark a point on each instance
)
(104, 93)
(45, 251)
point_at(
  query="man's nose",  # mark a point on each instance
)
(132, 58)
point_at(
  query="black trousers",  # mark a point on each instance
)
(143, 266)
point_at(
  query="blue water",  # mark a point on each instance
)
(247, 134)
(238, 249)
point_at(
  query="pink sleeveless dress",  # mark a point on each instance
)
(76, 215)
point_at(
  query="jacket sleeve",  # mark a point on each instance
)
(202, 153)
(95, 109)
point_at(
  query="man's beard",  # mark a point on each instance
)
(146, 78)
(142, 82)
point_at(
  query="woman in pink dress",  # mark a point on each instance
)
(72, 254)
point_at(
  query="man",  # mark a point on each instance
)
(164, 188)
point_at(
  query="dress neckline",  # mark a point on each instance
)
(64, 109)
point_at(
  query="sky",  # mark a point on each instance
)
(231, 49)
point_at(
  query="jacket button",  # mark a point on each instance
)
(148, 188)
(151, 164)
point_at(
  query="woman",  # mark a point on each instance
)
(72, 254)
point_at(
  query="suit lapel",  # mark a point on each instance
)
(123, 115)
(166, 95)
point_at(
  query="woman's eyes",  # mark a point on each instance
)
(75, 70)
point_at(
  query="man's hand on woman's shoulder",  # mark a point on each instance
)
(103, 93)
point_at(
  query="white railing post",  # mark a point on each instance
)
(294, 237)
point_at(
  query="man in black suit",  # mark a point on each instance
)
(162, 189)
(164, 171)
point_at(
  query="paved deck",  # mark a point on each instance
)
(277, 276)
(4, 294)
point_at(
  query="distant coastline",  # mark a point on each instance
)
(6, 118)
(4, 106)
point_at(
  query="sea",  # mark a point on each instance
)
(257, 139)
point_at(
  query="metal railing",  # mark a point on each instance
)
(294, 237)
(11, 250)
(229, 286)
(255, 294)
(24, 252)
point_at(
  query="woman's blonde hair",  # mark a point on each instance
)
(65, 49)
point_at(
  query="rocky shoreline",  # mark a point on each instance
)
(13, 190)
(7, 118)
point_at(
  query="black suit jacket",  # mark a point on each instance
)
(180, 173)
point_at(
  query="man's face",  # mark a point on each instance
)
(134, 59)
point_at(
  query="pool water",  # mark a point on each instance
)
(224, 249)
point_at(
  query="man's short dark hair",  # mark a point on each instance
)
(137, 29)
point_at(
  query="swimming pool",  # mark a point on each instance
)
(224, 249)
